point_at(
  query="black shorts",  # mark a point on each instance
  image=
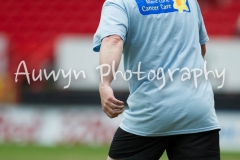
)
(197, 146)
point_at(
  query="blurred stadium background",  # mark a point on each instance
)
(44, 120)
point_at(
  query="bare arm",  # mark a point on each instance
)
(111, 50)
(203, 48)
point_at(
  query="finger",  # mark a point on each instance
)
(111, 112)
(116, 101)
(115, 107)
(116, 113)
(112, 115)
(109, 115)
(119, 111)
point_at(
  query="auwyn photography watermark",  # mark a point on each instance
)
(159, 74)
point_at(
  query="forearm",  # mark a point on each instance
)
(111, 50)
(203, 48)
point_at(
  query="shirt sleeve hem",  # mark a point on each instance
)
(97, 44)
(204, 41)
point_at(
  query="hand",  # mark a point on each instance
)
(110, 105)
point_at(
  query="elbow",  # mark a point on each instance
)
(113, 39)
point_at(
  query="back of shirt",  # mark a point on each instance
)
(162, 49)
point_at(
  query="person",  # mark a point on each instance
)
(162, 42)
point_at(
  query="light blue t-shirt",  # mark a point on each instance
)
(161, 36)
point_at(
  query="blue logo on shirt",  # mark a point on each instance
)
(147, 7)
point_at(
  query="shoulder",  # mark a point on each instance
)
(122, 3)
(195, 4)
(118, 4)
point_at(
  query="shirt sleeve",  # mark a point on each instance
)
(203, 37)
(114, 21)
